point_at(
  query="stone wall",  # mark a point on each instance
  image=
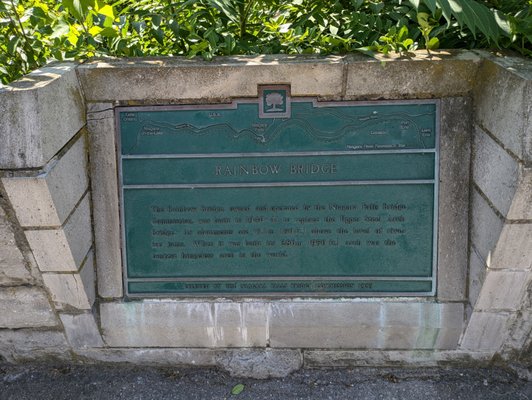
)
(500, 281)
(60, 248)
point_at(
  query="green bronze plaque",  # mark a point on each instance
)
(279, 196)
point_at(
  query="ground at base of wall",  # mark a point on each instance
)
(124, 382)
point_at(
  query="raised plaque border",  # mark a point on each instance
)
(259, 101)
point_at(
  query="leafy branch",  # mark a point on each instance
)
(33, 32)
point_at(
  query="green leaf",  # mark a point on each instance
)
(95, 30)
(237, 389)
(431, 4)
(503, 22)
(403, 33)
(423, 20)
(407, 43)
(139, 26)
(174, 27)
(107, 11)
(75, 8)
(227, 7)
(13, 44)
(433, 43)
(446, 11)
(482, 18)
(159, 35)
(61, 29)
(197, 48)
(109, 33)
(156, 20)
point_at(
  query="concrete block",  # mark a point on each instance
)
(104, 192)
(378, 358)
(486, 227)
(13, 269)
(519, 340)
(88, 277)
(520, 208)
(81, 330)
(73, 290)
(501, 105)
(41, 113)
(156, 357)
(321, 324)
(365, 324)
(240, 324)
(455, 149)
(47, 199)
(23, 345)
(176, 78)
(477, 273)
(486, 332)
(260, 363)
(58, 250)
(445, 74)
(503, 290)
(494, 171)
(168, 323)
(527, 140)
(514, 248)
(24, 307)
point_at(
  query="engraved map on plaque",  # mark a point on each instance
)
(291, 196)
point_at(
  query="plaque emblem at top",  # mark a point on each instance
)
(274, 101)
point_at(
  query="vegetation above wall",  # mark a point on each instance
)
(34, 32)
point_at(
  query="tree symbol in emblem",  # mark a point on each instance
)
(273, 100)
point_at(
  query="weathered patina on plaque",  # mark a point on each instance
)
(279, 196)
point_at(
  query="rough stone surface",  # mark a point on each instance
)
(494, 171)
(485, 332)
(381, 325)
(156, 357)
(73, 290)
(88, 277)
(486, 227)
(13, 269)
(455, 148)
(527, 140)
(477, 273)
(283, 325)
(501, 86)
(500, 320)
(447, 74)
(520, 208)
(260, 364)
(81, 330)
(24, 345)
(168, 323)
(171, 79)
(24, 307)
(104, 192)
(64, 249)
(503, 290)
(518, 347)
(35, 125)
(365, 358)
(514, 248)
(48, 199)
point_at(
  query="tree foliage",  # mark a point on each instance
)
(33, 32)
